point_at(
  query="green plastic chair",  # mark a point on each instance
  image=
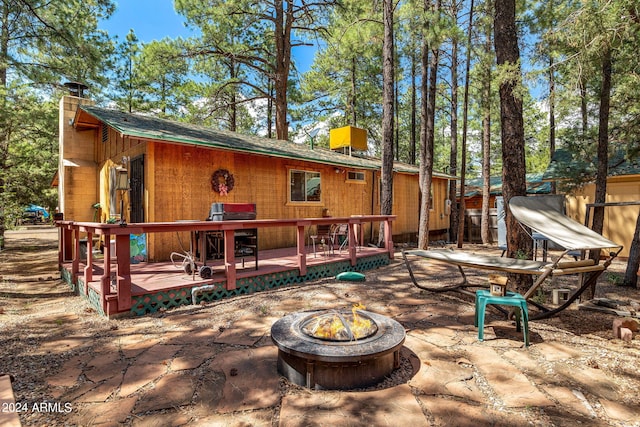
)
(484, 297)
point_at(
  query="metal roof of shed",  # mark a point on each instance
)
(535, 185)
(157, 129)
(566, 164)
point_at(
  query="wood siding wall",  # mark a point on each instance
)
(178, 187)
(619, 221)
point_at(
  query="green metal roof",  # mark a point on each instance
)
(535, 185)
(154, 128)
(565, 165)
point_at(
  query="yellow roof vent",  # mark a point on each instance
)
(349, 137)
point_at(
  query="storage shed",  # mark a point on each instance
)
(623, 186)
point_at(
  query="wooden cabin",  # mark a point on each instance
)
(177, 170)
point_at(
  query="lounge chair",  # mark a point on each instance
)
(541, 217)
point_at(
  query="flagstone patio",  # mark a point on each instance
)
(215, 364)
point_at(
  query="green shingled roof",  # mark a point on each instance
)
(565, 165)
(535, 185)
(154, 128)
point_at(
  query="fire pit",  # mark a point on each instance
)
(337, 349)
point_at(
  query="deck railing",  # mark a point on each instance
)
(69, 245)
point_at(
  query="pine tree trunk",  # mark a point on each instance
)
(354, 90)
(465, 125)
(511, 115)
(453, 153)
(631, 274)
(423, 239)
(426, 200)
(552, 116)
(412, 134)
(486, 143)
(603, 159)
(386, 202)
(283, 63)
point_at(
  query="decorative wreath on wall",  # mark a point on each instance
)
(222, 182)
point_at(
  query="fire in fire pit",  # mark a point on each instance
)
(337, 349)
(335, 325)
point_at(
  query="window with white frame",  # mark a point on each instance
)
(355, 176)
(304, 186)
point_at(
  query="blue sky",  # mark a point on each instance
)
(156, 19)
(149, 19)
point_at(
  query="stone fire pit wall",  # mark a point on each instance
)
(336, 365)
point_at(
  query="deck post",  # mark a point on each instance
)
(123, 271)
(66, 248)
(302, 250)
(105, 280)
(388, 238)
(230, 258)
(75, 264)
(352, 243)
(88, 269)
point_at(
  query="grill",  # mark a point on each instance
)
(246, 241)
(231, 211)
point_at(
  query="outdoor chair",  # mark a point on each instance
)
(322, 236)
(340, 236)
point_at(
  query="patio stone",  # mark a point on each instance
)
(440, 377)
(595, 381)
(574, 399)
(522, 359)
(172, 390)
(180, 337)
(259, 418)
(68, 375)
(554, 351)
(137, 376)
(246, 331)
(159, 353)
(183, 363)
(103, 391)
(198, 349)
(394, 406)
(511, 386)
(417, 341)
(203, 335)
(621, 412)
(244, 369)
(105, 414)
(441, 337)
(164, 419)
(442, 316)
(209, 392)
(447, 412)
(135, 344)
(411, 317)
(105, 366)
(69, 394)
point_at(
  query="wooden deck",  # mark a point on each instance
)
(163, 284)
(118, 287)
